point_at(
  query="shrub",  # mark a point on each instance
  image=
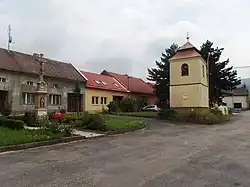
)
(96, 122)
(127, 104)
(92, 122)
(30, 118)
(11, 124)
(112, 107)
(207, 117)
(167, 113)
(139, 104)
(6, 111)
(216, 111)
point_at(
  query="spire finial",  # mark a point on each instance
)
(188, 37)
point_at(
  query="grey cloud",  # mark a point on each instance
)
(123, 36)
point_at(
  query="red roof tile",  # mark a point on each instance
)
(103, 82)
(20, 62)
(186, 51)
(133, 84)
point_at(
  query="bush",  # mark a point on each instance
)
(139, 104)
(127, 104)
(12, 124)
(92, 122)
(30, 118)
(96, 122)
(6, 111)
(112, 107)
(216, 111)
(207, 117)
(167, 113)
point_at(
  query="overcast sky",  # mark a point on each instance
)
(124, 36)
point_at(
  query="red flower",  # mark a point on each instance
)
(58, 115)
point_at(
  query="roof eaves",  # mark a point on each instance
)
(86, 79)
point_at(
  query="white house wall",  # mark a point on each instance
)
(236, 99)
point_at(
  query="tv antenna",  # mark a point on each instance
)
(9, 37)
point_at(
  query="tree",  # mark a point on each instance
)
(221, 77)
(161, 76)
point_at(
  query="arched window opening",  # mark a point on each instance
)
(184, 70)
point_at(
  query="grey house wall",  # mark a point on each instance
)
(16, 84)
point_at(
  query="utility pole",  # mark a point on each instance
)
(9, 37)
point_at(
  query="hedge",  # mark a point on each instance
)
(11, 124)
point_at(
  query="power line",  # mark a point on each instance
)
(241, 67)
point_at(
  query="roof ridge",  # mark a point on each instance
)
(31, 55)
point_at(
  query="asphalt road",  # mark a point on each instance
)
(163, 155)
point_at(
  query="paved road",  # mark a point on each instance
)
(164, 155)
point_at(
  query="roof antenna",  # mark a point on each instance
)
(9, 37)
(188, 37)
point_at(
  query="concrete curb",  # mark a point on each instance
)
(40, 144)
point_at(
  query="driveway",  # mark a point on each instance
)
(163, 155)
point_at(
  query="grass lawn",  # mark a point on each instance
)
(138, 114)
(122, 122)
(14, 137)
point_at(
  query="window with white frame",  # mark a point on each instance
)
(30, 83)
(55, 99)
(95, 100)
(103, 100)
(2, 79)
(28, 98)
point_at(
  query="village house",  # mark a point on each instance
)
(101, 90)
(237, 99)
(136, 86)
(19, 74)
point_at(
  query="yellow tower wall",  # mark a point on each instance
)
(189, 91)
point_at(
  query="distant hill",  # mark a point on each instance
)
(247, 82)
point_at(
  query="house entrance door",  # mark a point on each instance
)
(3, 99)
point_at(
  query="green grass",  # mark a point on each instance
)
(139, 114)
(121, 122)
(14, 137)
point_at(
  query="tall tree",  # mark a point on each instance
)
(160, 75)
(221, 76)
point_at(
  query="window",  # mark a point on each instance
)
(237, 105)
(203, 70)
(104, 83)
(184, 70)
(55, 99)
(103, 100)
(28, 98)
(98, 82)
(55, 85)
(95, 100)
(2, 79)
(30, 83)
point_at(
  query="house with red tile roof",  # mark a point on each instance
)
(101, 90)
(136, 86)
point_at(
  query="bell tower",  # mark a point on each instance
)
(188, 80)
